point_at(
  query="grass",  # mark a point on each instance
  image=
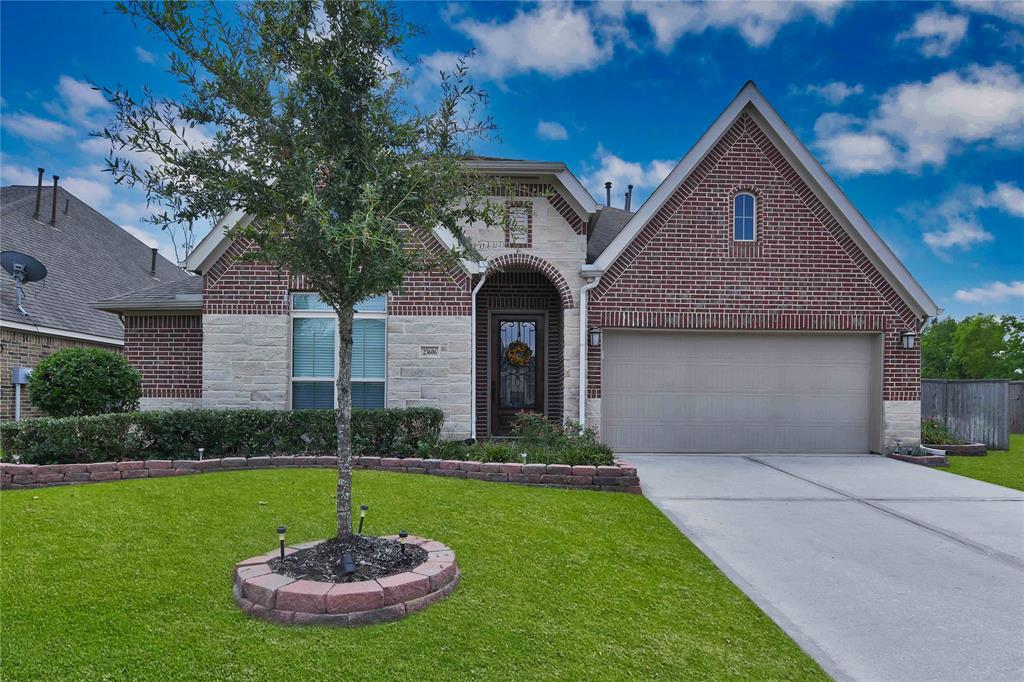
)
(1002, 467)
(130, 580)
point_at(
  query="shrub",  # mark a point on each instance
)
(934, 432)
(177, 434)
(84, 381)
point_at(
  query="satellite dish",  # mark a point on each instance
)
(23, 268)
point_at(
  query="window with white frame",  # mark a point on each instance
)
(314, 352)
(743, 206)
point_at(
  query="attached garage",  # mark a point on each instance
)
(740, 392)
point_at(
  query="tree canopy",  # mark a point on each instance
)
(977, 347)
(292, 113)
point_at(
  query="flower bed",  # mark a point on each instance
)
(620, 477)
(264, 594)
(969, 449)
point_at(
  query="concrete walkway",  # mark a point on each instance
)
(879, 569)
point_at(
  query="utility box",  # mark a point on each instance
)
(20, 375)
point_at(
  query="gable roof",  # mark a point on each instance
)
(88, 258)
(750, 100)
(213, 245)
(183, 295)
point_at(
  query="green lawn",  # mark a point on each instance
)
(131, 580)
(1002, 467)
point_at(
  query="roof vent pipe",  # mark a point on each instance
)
(152, 261)
(608, 193)
(629, 196)
(53, 210)
(39, 193)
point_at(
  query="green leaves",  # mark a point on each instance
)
(977, 347)
(84, 381)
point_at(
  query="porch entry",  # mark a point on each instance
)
(519, 350)
(517, 368)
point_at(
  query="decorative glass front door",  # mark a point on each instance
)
(517, 369)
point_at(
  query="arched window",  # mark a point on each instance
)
(743, 211)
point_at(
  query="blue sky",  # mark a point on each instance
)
(917, 109)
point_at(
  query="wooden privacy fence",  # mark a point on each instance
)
(976, 411)
(1017, 407)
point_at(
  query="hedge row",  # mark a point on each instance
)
(178, 434)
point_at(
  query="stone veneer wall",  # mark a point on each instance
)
(618, 478)
(246, 360)
(901, 420)
(26, 349)
(442, 381)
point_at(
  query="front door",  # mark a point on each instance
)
(517, 368)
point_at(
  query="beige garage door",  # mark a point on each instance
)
(708, 392)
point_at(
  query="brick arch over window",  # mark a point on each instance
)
(527, 262)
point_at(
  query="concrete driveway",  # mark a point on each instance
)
(880, 570)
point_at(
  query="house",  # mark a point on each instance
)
(88, 258)
(746, 306)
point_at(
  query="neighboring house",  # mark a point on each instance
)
(745, 307)
(88, 258)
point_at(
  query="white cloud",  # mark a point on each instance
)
(35, 128)
(92, 192)
(1008, 197)
(835, 92)
(1010, 10)
(925, 122)
(80, 103)
(553, 39)
(757, 22)
(955, 221)
(643, 176)
(551, 130)
(936, 33)
(16, 174)
(144, 55)
(996, 292)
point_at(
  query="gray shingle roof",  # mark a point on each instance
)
(607, 224)
(184, 294)
(89, 258)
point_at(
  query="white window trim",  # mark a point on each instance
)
(337, 341)
(753, 234)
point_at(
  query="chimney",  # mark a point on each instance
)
(39, 193)
(629, 196)
(608, 193)
(53, 213)
(152, 261)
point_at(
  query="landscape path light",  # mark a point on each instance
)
(281, 530)
(362, 517)
(402, 535)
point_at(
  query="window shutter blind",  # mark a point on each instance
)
(368, 349)
(313, 347)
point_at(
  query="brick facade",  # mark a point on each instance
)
(168, 352)
(803, 272)
(26, 349)
(235, 285)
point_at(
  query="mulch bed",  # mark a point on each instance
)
(373, 558)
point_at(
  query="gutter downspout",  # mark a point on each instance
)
(472, 353)
(583, 348)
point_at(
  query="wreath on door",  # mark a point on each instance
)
(518, 354)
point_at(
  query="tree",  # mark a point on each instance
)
(979, 348)
(310, 137)
(1014, 327)
(937, 348)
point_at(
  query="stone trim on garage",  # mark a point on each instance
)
(619, 478)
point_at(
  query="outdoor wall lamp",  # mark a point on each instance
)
(281, 530)
(908, 339)
(595, 337)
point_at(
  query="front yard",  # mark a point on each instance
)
(1002, 467)
(131, 580)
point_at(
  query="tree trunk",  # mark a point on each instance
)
(344, 423)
